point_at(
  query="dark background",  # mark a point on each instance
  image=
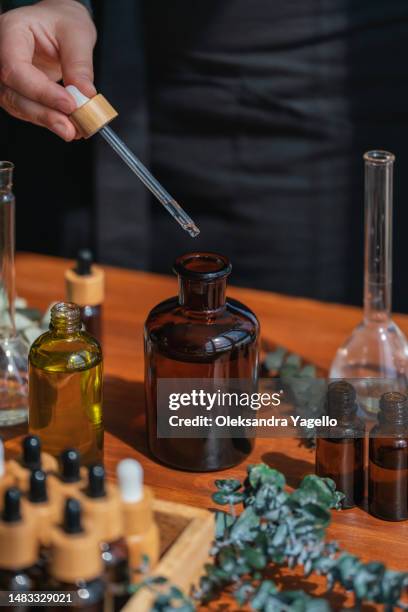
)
(299, 135)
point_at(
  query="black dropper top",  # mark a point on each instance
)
(84, 262)
(70, 465)
(11, 511)
(38, 487)
(32, 452)
(96, 481)
(72, 516)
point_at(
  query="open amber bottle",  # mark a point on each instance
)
(199, 335)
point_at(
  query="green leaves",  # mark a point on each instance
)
(262, 474)
(319, 490)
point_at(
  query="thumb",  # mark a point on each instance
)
(76, 53)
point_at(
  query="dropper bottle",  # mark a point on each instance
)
(41, 506)
(7, 479)
(32, 458)
(140, 529)
(71, 477)
(18, 545)
(75, 561)
(102, 508)
(85, 286)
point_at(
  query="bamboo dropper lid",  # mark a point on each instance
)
(18, 537)
(42, 506)
(31, 459)
(85, 284)
(92, 114)
(102, 506)
(74, 551)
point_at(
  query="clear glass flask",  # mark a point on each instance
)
(13, 348)
(377, 348)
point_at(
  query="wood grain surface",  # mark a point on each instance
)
(312, 329)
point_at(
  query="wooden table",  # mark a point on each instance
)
(310, 328)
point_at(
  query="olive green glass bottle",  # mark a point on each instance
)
(65, 387)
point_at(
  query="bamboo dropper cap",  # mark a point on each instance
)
(92, 114)
(140, 529)
(74, 552)
(31, 459)
(102, 506)
(18, 536)
(85, 284)
(42, 506)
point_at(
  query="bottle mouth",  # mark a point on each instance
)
(379, 158)
(202, 266)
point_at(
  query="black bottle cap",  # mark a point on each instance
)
(72, 516)
(84, 262)
(96, 481)
(12, 511)
(70, 465)
(32, 452)
(38, 487)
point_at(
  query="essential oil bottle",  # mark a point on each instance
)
(65, 387)
(32, 458)
(85, 286)
(19, 546)
(388, 460)
(102, 508)
(75, 561)
(200, 334)
(70, 478)
(340, 456)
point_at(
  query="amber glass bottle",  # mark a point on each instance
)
(340, 456)
(388, 464)
(199, 334)
(65, 387)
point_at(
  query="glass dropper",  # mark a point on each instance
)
(170, 204)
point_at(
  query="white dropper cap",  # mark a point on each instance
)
(130, 476)
(2, 463)
(78, 96)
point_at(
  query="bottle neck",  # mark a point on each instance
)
(393, 409)
(201, 295)
(378, 236)
(65, 319)
(7, 250)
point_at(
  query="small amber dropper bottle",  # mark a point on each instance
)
(18, 546)
(71, 477)
(85, 285)
(102, 508)
(75, 561)
(31, 459)
(141, 531)
(65, 387)
(388, 460)
(340, 455)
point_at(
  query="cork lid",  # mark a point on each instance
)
(102, 506)
(85, 284)
(18, 535)
(74, 550)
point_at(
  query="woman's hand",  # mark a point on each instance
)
(39, 45)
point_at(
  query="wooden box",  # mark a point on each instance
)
(186, 534)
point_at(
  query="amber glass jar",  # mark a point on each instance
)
(202, 335)
(388, 460)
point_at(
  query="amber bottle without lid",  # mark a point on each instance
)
(18, 546)
(85, 286)
(341, 456)
(199, 334)
(65, 387)
(75, 561)
(388, 460)
(102, 508)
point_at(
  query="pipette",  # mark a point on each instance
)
(92, 116)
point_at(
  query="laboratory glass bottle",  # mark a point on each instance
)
(65, 387)
(388, 460)
(201, 334)
(340, 453)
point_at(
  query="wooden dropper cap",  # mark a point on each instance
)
(85, 284)
(18, 536)
(44, 508)
(92, 114)
(102, 506)
(31, 459)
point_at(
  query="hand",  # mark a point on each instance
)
(39, 45)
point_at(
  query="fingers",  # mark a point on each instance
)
(76, 52)
(18, 73)
(23, 108)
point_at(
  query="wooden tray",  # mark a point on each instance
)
(186, 534)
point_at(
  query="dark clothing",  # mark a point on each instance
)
(255, 116)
